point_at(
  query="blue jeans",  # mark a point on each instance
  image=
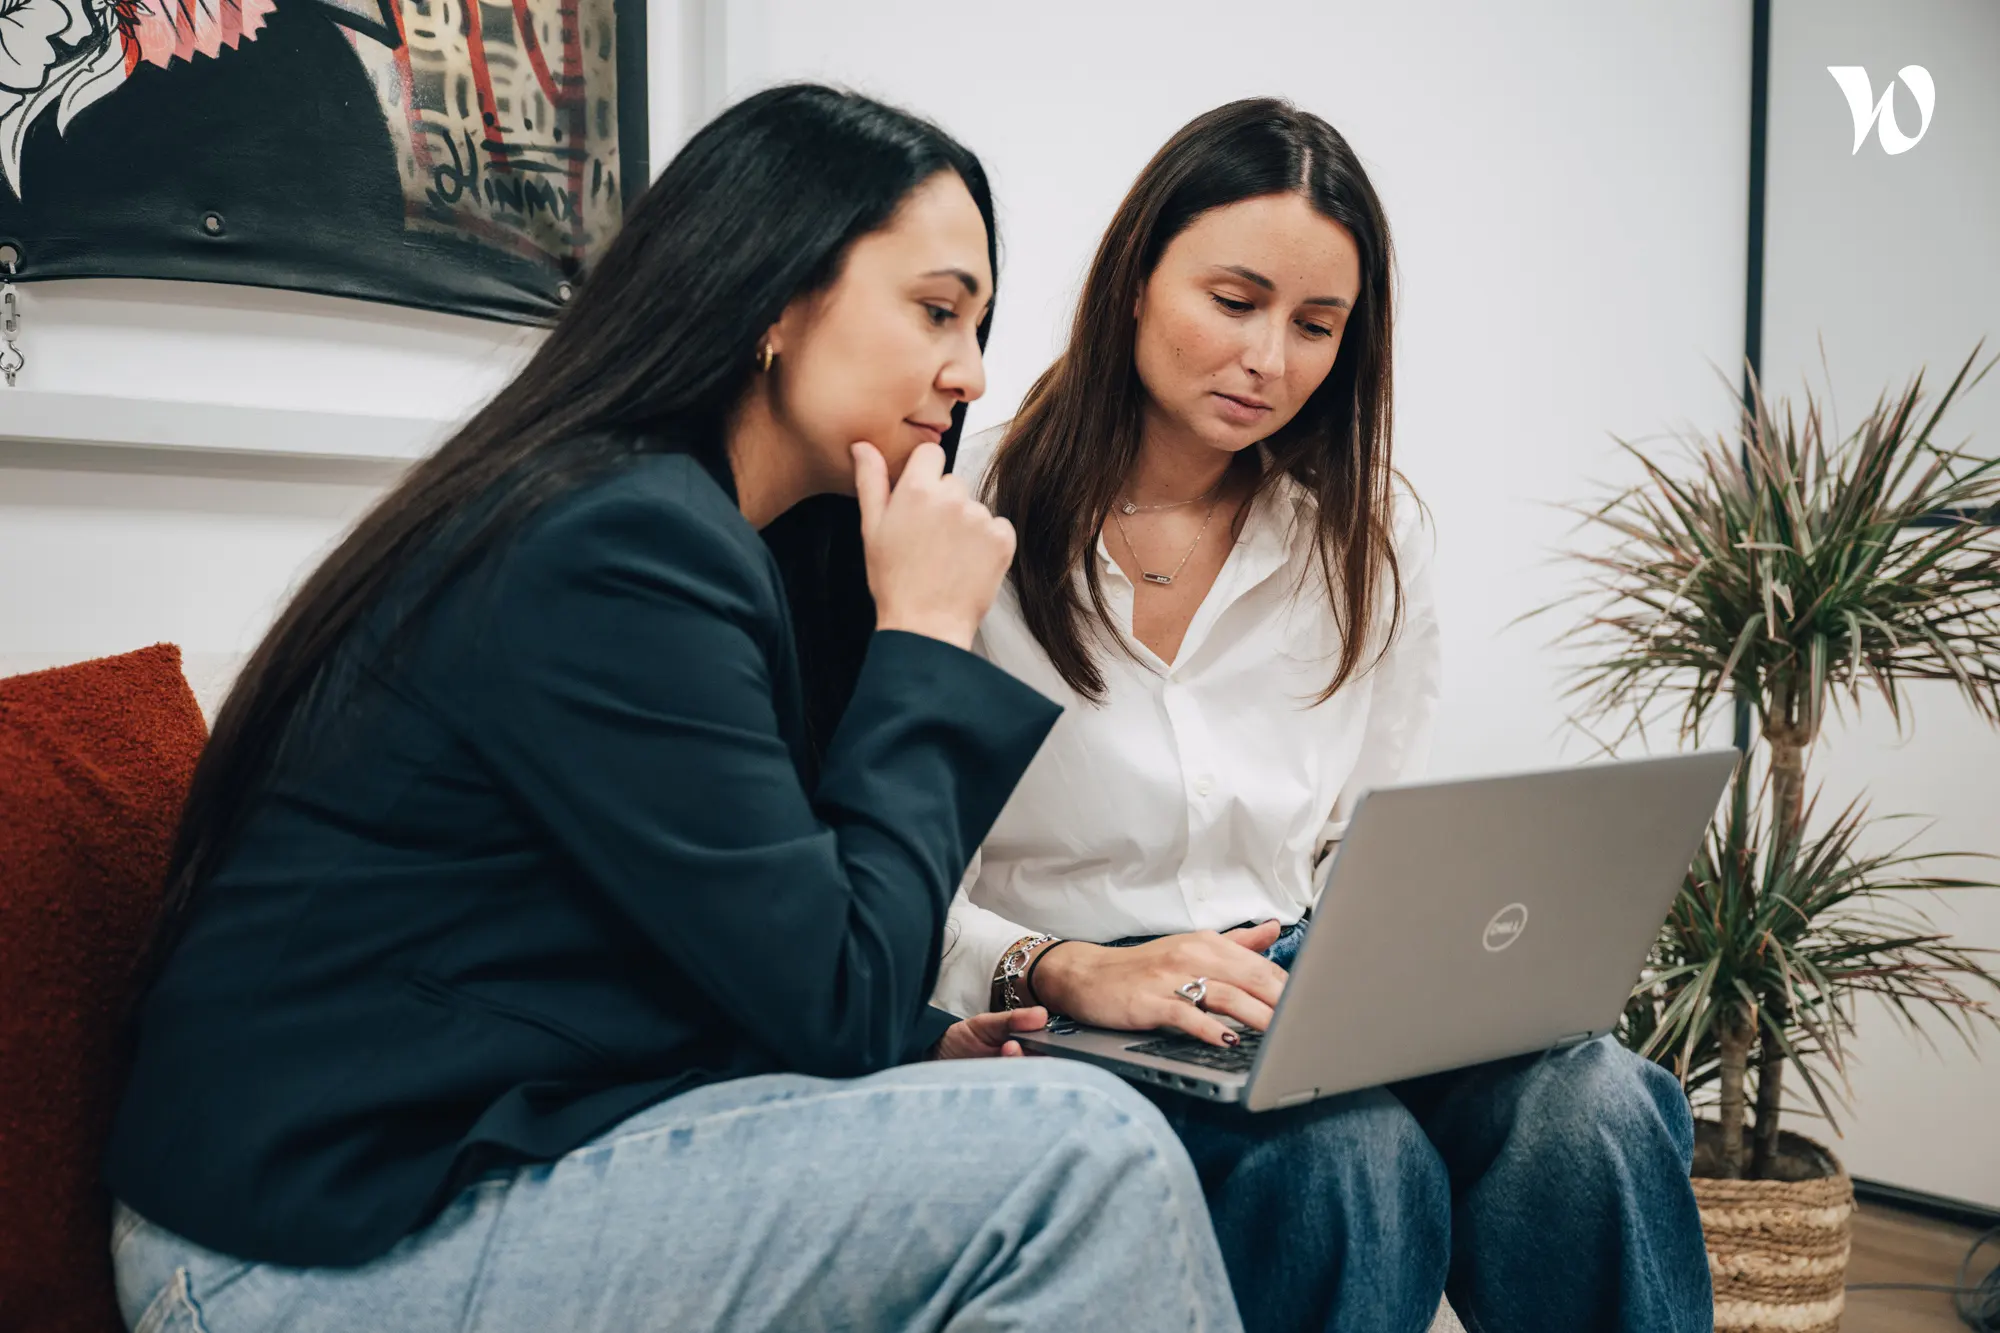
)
(1548, 1194)
(966, 1195)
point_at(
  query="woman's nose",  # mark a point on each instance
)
(964, 376)
(1264, 357)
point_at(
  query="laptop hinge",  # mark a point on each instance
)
(1294, 1098)
(1574, 1039)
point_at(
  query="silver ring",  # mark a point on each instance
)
(1194, 992)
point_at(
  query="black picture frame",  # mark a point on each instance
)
(255, 162)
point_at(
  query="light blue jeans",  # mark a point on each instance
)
(964, 1195)
(1549, 1193)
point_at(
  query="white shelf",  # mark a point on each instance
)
(40, 417)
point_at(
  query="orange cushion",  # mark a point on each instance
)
(94, 765)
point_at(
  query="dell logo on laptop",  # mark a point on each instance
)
(1505, 927)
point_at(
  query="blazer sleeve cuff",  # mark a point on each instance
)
(930, 1027)
(916, 691)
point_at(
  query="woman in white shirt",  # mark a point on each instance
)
(1220, 576)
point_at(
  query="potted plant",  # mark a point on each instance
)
(1788, 574)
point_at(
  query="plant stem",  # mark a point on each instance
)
(1788, 779)
(1734, 1044)
(1770, 1096)
(1788, 740)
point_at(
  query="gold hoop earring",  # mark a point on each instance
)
(765, 359)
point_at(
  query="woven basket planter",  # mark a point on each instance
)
(1777, 1249)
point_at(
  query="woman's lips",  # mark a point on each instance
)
(935, 433)
(1241, 410)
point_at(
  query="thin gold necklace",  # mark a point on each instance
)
(1127, 507)
(1165, 579)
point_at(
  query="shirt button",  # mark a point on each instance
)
(1203, 787)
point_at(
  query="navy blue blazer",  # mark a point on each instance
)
(564, 854)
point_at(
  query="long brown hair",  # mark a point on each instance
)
(1077, 435)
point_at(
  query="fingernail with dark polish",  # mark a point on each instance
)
(1231, 1039)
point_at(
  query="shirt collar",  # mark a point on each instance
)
(1273, 526)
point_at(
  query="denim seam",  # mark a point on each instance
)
(184, 1289)
(475, 1290)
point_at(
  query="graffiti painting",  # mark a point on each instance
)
(463, 155)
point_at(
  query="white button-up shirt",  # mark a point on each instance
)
(1202, 793)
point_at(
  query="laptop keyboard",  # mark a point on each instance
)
(1226, 1059)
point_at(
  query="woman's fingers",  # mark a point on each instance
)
(1004, 539)
(995, 1026)
(871, 484)
(935, 554)
(1135, 988)
(1031, 1019)
(983, 1036)
(1197, 1023)
(988, 1029)
(926, 465)
(1214, 956)
(1256, 938)
(1241, 1005)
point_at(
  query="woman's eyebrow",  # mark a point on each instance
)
(966, 280)
(1251, 275)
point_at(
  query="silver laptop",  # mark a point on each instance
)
(1462, 922)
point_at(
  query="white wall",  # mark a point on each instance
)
(1566, 182)
(105, 550)
(1893, 262)
(102, 551)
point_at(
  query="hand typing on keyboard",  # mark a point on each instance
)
(1228, 1059)
(1138, 988)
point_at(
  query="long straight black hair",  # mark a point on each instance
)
(758, 209)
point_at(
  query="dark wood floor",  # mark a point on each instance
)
(1894, 1246)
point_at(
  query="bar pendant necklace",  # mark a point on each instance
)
(1165, 579)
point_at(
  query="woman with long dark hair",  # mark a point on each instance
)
(528, 964)
(1222, 576)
